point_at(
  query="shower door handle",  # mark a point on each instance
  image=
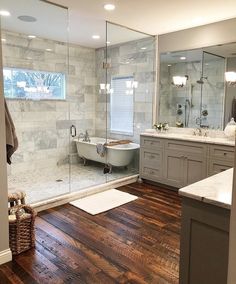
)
(73, 130)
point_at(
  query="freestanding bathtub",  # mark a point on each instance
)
(118, 156)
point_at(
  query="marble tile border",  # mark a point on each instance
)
(63, 199)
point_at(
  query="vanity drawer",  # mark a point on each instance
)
(151, 158)
(222, 152)
(218, 166)
(150, 173)
(186, 147)
(151, 143)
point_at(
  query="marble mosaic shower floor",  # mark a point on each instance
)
(47, 183)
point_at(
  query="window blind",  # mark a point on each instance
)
(122, 105)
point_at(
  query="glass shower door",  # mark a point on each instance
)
(87, 98)
(213, 90)
(35, 64)
(130, 79)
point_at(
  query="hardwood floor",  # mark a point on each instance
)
(135, 243)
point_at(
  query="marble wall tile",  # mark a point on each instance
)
(44, 125)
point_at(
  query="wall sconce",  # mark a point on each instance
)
(230, 77)
(131, 84)
(105, 89)
(180, 81)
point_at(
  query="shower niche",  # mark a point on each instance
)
(192, 87)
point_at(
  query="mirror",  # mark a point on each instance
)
(193, 90)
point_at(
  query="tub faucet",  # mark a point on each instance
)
(197, 132)
(86, 137)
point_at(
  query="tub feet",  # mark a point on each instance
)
(85, 161)
(107, 169)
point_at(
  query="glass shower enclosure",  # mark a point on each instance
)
(78, 110)
(35, 69)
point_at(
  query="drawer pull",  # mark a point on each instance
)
(152, 172)
(152, 157)
(225, 154)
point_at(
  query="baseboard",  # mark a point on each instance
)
(66, 198)
(5, 256)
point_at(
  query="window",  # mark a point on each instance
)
(122, 105)
(36, 85)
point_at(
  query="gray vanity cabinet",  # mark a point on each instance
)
(204, 243)
(178, 163)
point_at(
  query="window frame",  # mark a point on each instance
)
(63, 87)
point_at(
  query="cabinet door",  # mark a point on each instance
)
(174, 168)
(195, 169)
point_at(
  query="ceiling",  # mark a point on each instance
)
(149, 16)
(87, 18)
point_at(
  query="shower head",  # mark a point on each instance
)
(200, 81)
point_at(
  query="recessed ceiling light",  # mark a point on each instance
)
(4, 13)
(169, 65)
(182, 58)
(26, 18)
(143, 48)
(109, 7)
(4, 40)
(108, 42)
(31, 36)
(48, 49)
(96, 36)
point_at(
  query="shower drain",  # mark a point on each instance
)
(59, 180)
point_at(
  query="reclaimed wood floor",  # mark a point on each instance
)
(135, 243)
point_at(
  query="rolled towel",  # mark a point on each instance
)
(118, 142)
(101, 149)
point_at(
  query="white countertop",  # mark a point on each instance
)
(190, 137)
(216, 190)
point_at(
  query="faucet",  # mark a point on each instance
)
(197, 132)
(85, 136)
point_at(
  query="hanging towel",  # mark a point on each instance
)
(101, 149)
(11, 139)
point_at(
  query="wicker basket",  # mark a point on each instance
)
(21, 229)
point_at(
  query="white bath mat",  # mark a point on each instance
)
(103, 201)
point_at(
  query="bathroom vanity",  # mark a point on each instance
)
(205, 223)
(178, 159)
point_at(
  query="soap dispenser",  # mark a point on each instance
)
(230, 129)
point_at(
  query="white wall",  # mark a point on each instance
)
(202, 36)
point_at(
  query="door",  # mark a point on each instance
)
(212, 90)
(194, 169)
(174, 168)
